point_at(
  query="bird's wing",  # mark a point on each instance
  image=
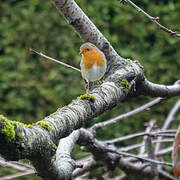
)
(81, 64)
(82, 69)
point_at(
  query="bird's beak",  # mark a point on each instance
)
(80, 52)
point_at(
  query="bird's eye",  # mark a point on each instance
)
(87, 49)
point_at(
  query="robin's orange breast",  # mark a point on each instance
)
(92, 57)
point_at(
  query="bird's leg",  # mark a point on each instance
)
(87, 87)
(87, 95)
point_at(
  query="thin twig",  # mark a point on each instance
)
(55, 60)
(134, 146)
(166, 174)
(150, 152)
(164, 151)
(149, 128)
(168, 122)
(153, 134)
(139, 157)
(29, 166)
(147, 140)
(17, 175)
(153, 19)
(15, 165)
(128, 114)
(159, 154)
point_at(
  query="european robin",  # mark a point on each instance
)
(93, 63)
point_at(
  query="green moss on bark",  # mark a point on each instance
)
(125, 84)
(87, 96)
(7, 129)
(44, 125)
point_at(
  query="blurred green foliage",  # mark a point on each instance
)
(32, 88)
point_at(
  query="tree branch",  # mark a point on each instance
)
(102, 152)
(37, 142)
(84, 27)
(126, 115)
(63, 163)
(148, 88)
(87, 166)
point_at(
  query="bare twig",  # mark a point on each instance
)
(153, 133)
(164, 151)
(97, 147)
(30, 171)
(158, 90)
(172, 115)
(134, 146)
(123, 116)
(149, 128)
(22, 164)
(166, 174)
(150, 151)
(159, 154)
(147, 140)
(15, 165)
(124, 164)
(55, 60)
(153, 19)
(168, 122)
(91, 164)
(139, 157)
